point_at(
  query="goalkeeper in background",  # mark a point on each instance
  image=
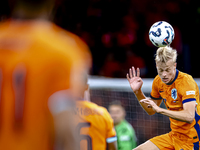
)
(126, 138)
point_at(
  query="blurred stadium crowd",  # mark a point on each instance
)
(117, 31)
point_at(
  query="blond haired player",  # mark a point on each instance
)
(180, 94)
(37, 59)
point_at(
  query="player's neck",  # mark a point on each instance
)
(174, 77)
(117, 123)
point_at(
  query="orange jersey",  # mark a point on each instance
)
(181, 90)
(36, 60)
(94, 125)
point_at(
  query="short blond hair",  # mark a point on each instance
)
(164, 54)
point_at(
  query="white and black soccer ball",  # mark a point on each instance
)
(161, 34)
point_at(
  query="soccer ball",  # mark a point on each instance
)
(161, 34)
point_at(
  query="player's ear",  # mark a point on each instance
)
(175, 64)
(87, 87)
(87, 93)
(156, 64)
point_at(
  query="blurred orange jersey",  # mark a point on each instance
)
(37, 58)
(94, 125)
(181, 90)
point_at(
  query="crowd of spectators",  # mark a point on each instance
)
(117, 32)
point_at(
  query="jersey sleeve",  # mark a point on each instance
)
(188, 90)
(155, 91)
(111, 134)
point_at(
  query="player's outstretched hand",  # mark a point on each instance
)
(151, 104)
(134, 79)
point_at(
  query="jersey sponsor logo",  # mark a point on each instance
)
(161, 91)
(190, 92)
(174, 93)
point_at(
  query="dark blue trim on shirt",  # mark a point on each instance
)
(188, 100)
(196, 126)
(174, 78)
(155, 98)
(196, 146)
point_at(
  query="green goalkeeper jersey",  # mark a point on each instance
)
(126, 138)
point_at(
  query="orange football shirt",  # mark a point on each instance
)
(36, 60)
(181, 90)
(94, 126)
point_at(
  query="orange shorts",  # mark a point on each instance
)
(174, 141)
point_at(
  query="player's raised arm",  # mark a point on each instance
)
(136, 82)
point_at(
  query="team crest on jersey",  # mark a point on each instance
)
(174, 93)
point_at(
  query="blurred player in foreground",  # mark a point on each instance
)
(126, 138)
(37, 59)
(94, 124)
(180, 94)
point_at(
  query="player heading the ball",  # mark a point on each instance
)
(180, 94)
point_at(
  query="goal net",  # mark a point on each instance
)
(105, 90)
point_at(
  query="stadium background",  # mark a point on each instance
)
(117, 34)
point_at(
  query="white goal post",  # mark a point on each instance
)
(97, 82)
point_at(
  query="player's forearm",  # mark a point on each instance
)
(182, 115)
(140, 95)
